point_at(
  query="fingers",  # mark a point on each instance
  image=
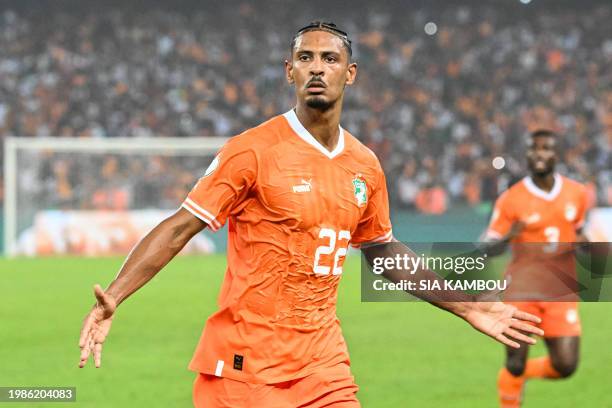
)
(528, 317)
(84, 357)
(503, 339)
(97, 354)
(92, 346)
(85, 351)
(92, 337)
(86, 339)
(517, 335)
(85, 330)
(526, 327)
(89, 319)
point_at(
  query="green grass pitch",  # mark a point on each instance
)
(403, 354)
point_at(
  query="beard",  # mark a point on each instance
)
(548, 169)
(319, 103)
(541, 173)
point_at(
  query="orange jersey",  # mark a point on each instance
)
(552, 216)
(542, 266)
(293, 209)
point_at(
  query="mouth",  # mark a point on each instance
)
(539, 164)
(316, 87)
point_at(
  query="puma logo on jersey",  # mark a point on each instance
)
(305, 187)
(533, 218)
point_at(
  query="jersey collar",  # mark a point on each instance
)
(303, 133)
(546, 195)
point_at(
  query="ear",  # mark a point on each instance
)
(351, 73)
(289, 71)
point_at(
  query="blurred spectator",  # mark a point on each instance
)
(432, 199)
(408, 186)
(434, 108)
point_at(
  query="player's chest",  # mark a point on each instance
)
(539, 214)
(309, 191)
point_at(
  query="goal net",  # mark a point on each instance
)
(97, 196)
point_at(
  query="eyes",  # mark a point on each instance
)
(547, 146)
(542, 149)
(330, 59)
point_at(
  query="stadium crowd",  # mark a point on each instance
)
(435, 104)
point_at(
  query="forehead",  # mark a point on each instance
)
(318, 41)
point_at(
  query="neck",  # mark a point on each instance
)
(544, 182)
(322, 125)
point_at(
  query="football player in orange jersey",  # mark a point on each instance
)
(548, 210)
(295, 192)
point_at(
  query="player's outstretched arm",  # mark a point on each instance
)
(147, 258)
(502, 322)
(496, 247)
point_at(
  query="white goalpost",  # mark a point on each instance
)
(33, 165)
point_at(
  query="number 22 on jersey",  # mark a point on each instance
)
(338, 245)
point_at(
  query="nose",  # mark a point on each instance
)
(316, 68)
(541, 151)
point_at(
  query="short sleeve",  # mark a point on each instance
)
(225, 184)
(375, 224)
(501, 219)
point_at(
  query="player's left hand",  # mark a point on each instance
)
(96, 326)
(505, 323)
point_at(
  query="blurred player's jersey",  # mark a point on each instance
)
(293, 208)
(550, 216)
(543, 263)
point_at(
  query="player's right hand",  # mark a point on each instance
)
(96, 326)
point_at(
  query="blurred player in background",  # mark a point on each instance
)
(295, 191)
(548, 210)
